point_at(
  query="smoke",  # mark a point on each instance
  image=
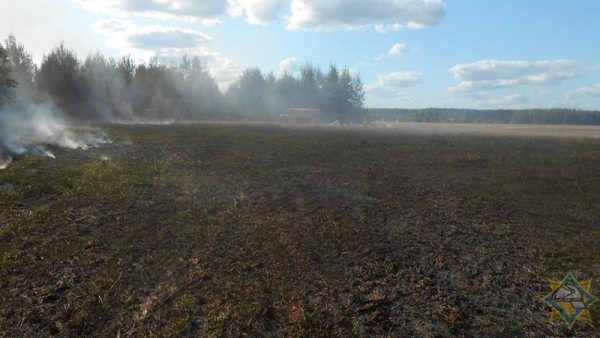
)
(33, 119)
(4, 162)
(29, 129)
(40, 105)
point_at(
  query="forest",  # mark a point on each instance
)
(100, 88)
(520, 116)
(104, 89)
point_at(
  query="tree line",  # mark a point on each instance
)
(518, 116)
(100, 88)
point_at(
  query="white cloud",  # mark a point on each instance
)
(389, 85)
(290, 65)
(395, 50)
(396, 27)
(257, 12)
(167, 37)
(583, 92)
(224, 70)
(145, 42)
(127, 36)
(398, 49)
(204, 11)
(400, 79)
(383, 15)
(495, 74)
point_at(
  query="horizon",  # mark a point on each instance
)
(394, 46)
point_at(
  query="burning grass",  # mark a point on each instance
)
(224, 230)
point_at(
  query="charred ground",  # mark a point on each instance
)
(220, 230)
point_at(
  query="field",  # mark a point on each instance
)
(262, 230)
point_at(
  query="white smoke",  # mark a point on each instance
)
(31, 128)
(4, 162)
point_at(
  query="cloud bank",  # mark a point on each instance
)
(585, 92)
(486, 75)
(188, 10)
(310, 15)
(257, 12)
(390, 85)
(383, 15)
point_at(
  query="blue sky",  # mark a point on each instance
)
(410, 53)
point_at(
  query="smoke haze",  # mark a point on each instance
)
(40, 106)
(29, 118)
(25, 128)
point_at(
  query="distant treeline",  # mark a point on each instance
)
(534, 116)
(107, 89)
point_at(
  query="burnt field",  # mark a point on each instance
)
(232, 230)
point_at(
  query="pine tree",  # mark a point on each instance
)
(6, 82)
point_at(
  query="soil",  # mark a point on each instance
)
(262, 230)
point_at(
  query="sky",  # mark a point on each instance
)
(410, 53)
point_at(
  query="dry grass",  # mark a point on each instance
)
(216, 230)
